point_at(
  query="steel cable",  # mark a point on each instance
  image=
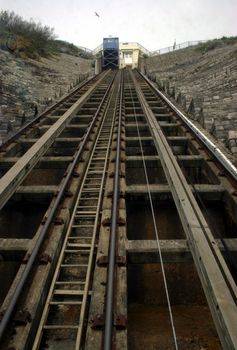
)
(155, 225)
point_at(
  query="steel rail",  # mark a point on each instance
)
(19, 131)
(25, 275)
(215, 151)
(89, 268)
(218, 284)
(108, 333)
(83, 309)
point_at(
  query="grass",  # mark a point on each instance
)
(216, 43)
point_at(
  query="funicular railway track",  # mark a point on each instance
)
(123, 196)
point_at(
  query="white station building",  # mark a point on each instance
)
(129, 54)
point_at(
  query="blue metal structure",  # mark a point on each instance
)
(110, 53)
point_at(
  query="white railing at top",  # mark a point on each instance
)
(168, 49)
(97, 49)
(176, 47)
(85, 49)
(142, 48)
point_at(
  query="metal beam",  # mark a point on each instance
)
(44, 162)
(145, 251)
(206, 191)
(14, 244)
(187, 160)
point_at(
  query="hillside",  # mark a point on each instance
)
(26, 82)
(203, 80)
(35, 69)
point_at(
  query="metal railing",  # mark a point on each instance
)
(122, 44)
(85, 49)
(176, 47)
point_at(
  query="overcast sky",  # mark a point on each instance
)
(153, 23)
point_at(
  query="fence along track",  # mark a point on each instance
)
(9, 308)
(69, 291)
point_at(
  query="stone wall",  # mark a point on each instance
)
(28, 86)
(204, 84)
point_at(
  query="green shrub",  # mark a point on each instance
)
(19, 35)
(30, 39)
(213, 44)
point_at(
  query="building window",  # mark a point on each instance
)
(127, 55)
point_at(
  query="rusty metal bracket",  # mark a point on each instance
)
(58, 221)
(221, 174)
(120, 260)
(110, 194)
(122, 160)
(26, 258)
(75, 174)
(106, 221)
(119, 322)
(22, 317)
(68, 193)
(2, 314)
(121, 221)
(45, 259)
(121, 174)
(122, 194)
(121, 147)
(43, 221)
(98, 322)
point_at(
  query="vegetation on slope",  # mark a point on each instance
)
(31, 39)
(216, 43)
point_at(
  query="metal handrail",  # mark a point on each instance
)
(176, 47)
